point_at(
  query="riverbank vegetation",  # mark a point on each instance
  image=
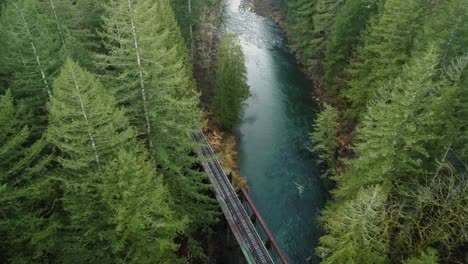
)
(97, 99)
(394, 78)
(231, 87)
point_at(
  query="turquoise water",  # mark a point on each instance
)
(283, 175)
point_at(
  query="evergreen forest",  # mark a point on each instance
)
(98, 99)
(392, 76)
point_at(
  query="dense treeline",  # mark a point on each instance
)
(231, 83)
(189, 15)
(395, 73)
(97, 99)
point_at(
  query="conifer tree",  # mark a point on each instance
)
(187, 13)
(446, 27)
(231, 83)
(403, 129)
(428, 256)
(409, 126)
(144, 225)
(146, 68)
(433, 214)
(324, 135)
(26, 194)
(323, 20)
(69, 24)
(387, 48)
(356, 229)
(83, 122)
(113, 199)
(33, 53)
(87, 131)
(300, 17)
(204, 48)
(344, 37)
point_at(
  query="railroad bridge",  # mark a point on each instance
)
(252, 234)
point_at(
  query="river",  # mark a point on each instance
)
(283, 175)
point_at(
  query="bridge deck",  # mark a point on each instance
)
(247, 236)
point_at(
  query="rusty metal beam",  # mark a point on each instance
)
(271, 238)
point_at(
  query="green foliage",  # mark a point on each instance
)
(345, 36)
(387, 48)
(112, 197)
(231, 83)
(146, 74)
(84, 124)
(434, 213)
(411, 123)
(402, 67)
(300, 18)
(323, 20)
(429, 256)
(324, 135)
(408, 125)
(26, 194)
(70, 23)
(446, 26)
(143, 224)
(146, 69)
(457, 74)
(187, 13)
(89, 192)
(310, 23)
(207, 33)
(34, 54)
(356, 229)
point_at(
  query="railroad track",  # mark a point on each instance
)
(240, 223)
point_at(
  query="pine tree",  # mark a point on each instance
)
(428, 256)
(345, 36)
(83, 123)
(26, 194)
(324, 18)
(146, 67)
(445, 26)
(204, 48)
(140, 67)
(324, 135)
(231, 83)
(87, 131)
(69, 23)
(433, 214)
(144, 225)
(34, 54)
(112, 198)
(411, 122)
(300, 17)
(387, 48)
(187, 13)
(457, 76)
(356, 229)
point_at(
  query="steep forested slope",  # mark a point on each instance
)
(394, 74)
(97, 101)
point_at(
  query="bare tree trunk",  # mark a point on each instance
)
(142, 83)
(190, 25)
(22, 58)
(44, 79)
(83, 109)
(57, 22)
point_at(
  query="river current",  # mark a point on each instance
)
(283, 175)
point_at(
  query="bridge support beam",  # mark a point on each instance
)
(268, 244)
(253, 218)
